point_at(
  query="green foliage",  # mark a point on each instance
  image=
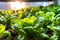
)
(4, 32)
(34, 23)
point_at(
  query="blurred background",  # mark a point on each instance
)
(18, 4)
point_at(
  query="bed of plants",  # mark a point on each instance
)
(36, 23)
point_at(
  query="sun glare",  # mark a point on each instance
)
(17, 5)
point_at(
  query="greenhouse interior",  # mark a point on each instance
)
(29, 19)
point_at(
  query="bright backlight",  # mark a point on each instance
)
(17, 5)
